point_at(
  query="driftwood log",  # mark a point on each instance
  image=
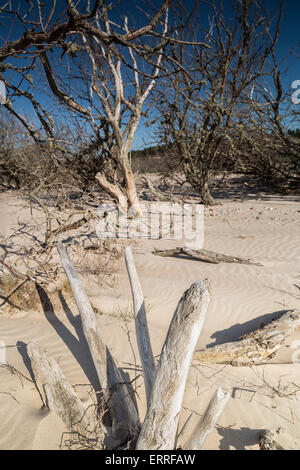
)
(204, 255)
(208, 421)
(55, 391)
(160, 425)
(255, 347)
(124, 415)
(141, 325)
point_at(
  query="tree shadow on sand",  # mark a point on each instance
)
(78, 347)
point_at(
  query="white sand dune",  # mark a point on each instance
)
(243, 297)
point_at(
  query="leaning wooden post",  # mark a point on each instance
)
(208, 421)
(161, 422)
(141, 326)
(56, 392)
(124, 414)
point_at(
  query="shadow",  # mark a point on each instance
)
(127, 381)
(191, 258)
(234, 332)
(78, 347)
(241, 187)
(22, 348)
(238, 438)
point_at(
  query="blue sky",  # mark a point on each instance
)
(289, 38)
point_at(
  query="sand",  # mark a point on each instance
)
(243, 297)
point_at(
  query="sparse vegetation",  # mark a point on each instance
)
(18, 294)
(203, 82)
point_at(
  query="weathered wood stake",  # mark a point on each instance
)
(160, 426)
(56, 392)
(124, 415)
(204, 255)
(208, 421)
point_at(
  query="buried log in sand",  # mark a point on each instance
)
(204, 255)
(278, 439)
(255, 347)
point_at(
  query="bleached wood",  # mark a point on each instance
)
(253, 348)
(124, 415)
(160, 426)
(141, 325)
(208, 421)
(56, 392)
(114, 190)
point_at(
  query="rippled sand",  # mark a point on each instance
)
(243, 297)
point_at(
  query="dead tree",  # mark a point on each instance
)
(105, 73)
(201, 104)
(255, 347)
(164, 384)
(207, 256)
(266, 147)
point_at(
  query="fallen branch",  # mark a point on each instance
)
(204, 255)
(255, 347)
(65, 228)
(56, 392)
(124, 415)
(208, 421)
(158, 194)
(160, 426)
(51, 235)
